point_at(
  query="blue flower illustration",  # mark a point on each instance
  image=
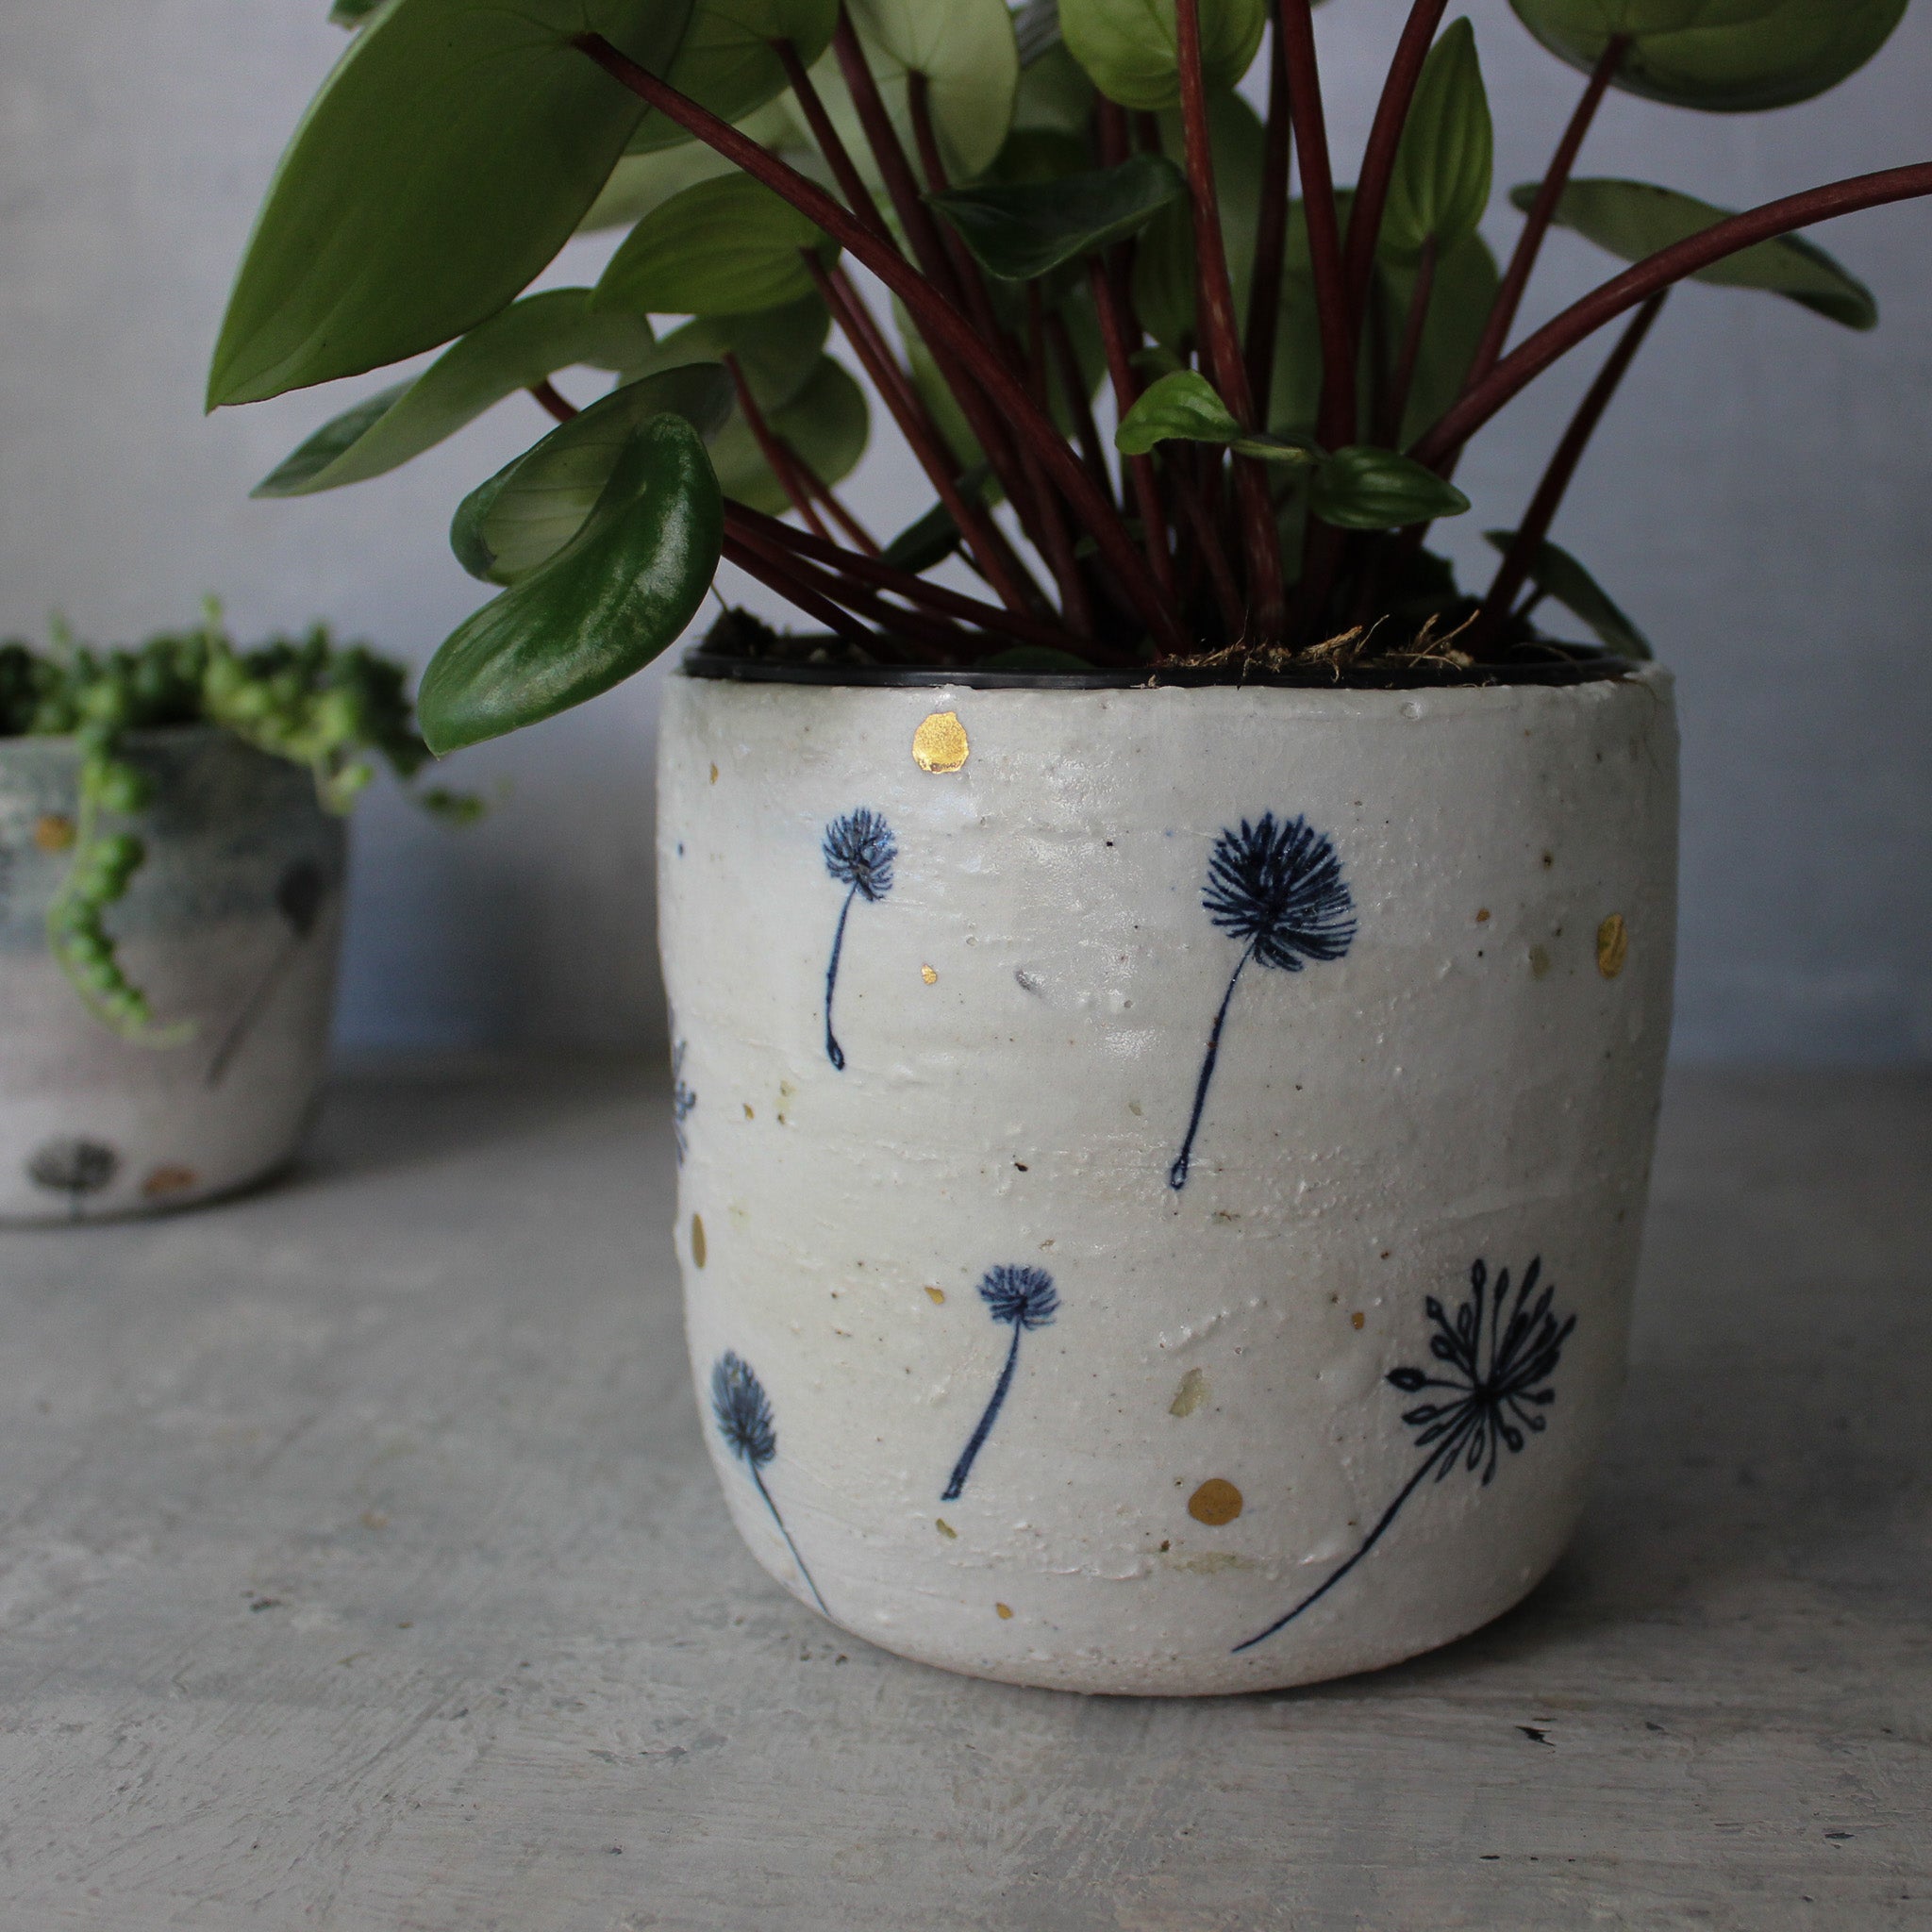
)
(743, 1414)
(1494, 1363)
(1279, 888)
(1025, 1298)
(859, 850)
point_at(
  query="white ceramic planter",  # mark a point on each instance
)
(993, 1376)
(232, 924)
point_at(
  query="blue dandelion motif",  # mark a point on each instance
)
(1277, 887)
(859, 850)
(1492, 1367)
(1024, 1298)
(743, 1412)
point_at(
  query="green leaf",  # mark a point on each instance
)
(778, 349)
(1184, 405)
(1440, 186)
(827, 422)
(447, 158)
(1022, 232)
(1558, 575)
(1055, 96)
(640, 183)
(352, 13)
(1722, 56)
(724, 248)
(726, 62)
(532, 507)
(1465, 289)
(519, 347)
(934, 537)
(1632, 219)
(618, 593)
(1362, 488)
(1129, 49)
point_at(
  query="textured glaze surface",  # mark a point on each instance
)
(1201, 1430)
(232, 923)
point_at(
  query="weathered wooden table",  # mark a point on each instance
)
(361, 1569)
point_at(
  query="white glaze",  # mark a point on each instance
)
(1455, 1088)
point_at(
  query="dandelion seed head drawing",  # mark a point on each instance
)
(744, 1411)
(860, 850)
(1278, 885)
(1023, 1296)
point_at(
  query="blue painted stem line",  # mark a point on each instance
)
(1177, 1174)
(834, 1052)
(963, 1468)
(1448, 1449)
(787, 1535)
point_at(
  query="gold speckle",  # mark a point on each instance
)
(714, 775)
(939, 743)
(375, 1519)
(1613, 945)
(1135, 1108)
(52, 833)
(926, 973)
(748, 1114)
(697, 1239)
(938, 1295)
(1357, 1320)
(1482, 917)
(1215, 1503)
(1006, 1612)
(1191, 1395)
(1539, 962)
(945, 1530)
(164, 1181)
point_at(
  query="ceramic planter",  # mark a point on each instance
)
(1161, 1169)
(231, 924)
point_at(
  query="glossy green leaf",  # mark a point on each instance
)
(1129, 50)
(517, 348)
(1723, 55)
(1632, 219)
(446, 159)
(1362, 487)
(724, 248)
(1025, 232)
(1185, 406)
(826, 423)
(1441, 185)
(531, 508)
(1558, 575)
(352, 13)
(620, 592)
(1465, 289)
(778, 349)
(725, 60)
(933, 538)
(1055, 96)
(640, 182)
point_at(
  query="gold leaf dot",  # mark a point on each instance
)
(1613, 945)
(1482, 917)
(937, 1294)
(1357, 1320)
(748, 1114)
(1215, 1503)
(52, 833)
(939, 743)
(945, 1530)
(697, 1239)
(1191, 1395)
(926, 973)
(1005, 1612)
(168, 1180)
(714, 775)
(1539, 962)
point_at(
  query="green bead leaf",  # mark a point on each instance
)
(1722, 56)
(517, 348)
(1023, 231)
(724, 248)
(1129, 48)
(1632, 219)
(1362, 487)
(532, 507)
(618, 593)
(446, 159)
(1440, 186)
(827, 422)
(1558, 575)
(725, 61)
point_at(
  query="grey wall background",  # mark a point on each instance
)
(1759, 501)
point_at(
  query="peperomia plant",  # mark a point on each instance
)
(1023, 226)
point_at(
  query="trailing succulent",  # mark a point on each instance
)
(332, 709)
(1024, 226)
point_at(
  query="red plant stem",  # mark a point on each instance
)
(546, 392)
(1058, 548)
(777, 457)
(838, 156)
(1530, 357)
(925, 136)
(1126, 392)
(933, 314)
(1271, 231)
(1395, 401)
(1335, 424)
(1378, 158)
(856, 532)
(1227, 595)
(795, 592)
(1221, 335)
(1073, 380)
(1513, 573)
(1543, 211)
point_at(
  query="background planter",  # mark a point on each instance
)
(1209, 1267)
(233, 923)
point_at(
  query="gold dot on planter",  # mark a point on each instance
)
(937, 1294)
(1358, 1320)
(1613, 945)
(1005, 1612)
(1215, 1503)
(697, 1239)
(714, 775)
(926, 973)
(945, 1530)
(52, 833)
(940, 744)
